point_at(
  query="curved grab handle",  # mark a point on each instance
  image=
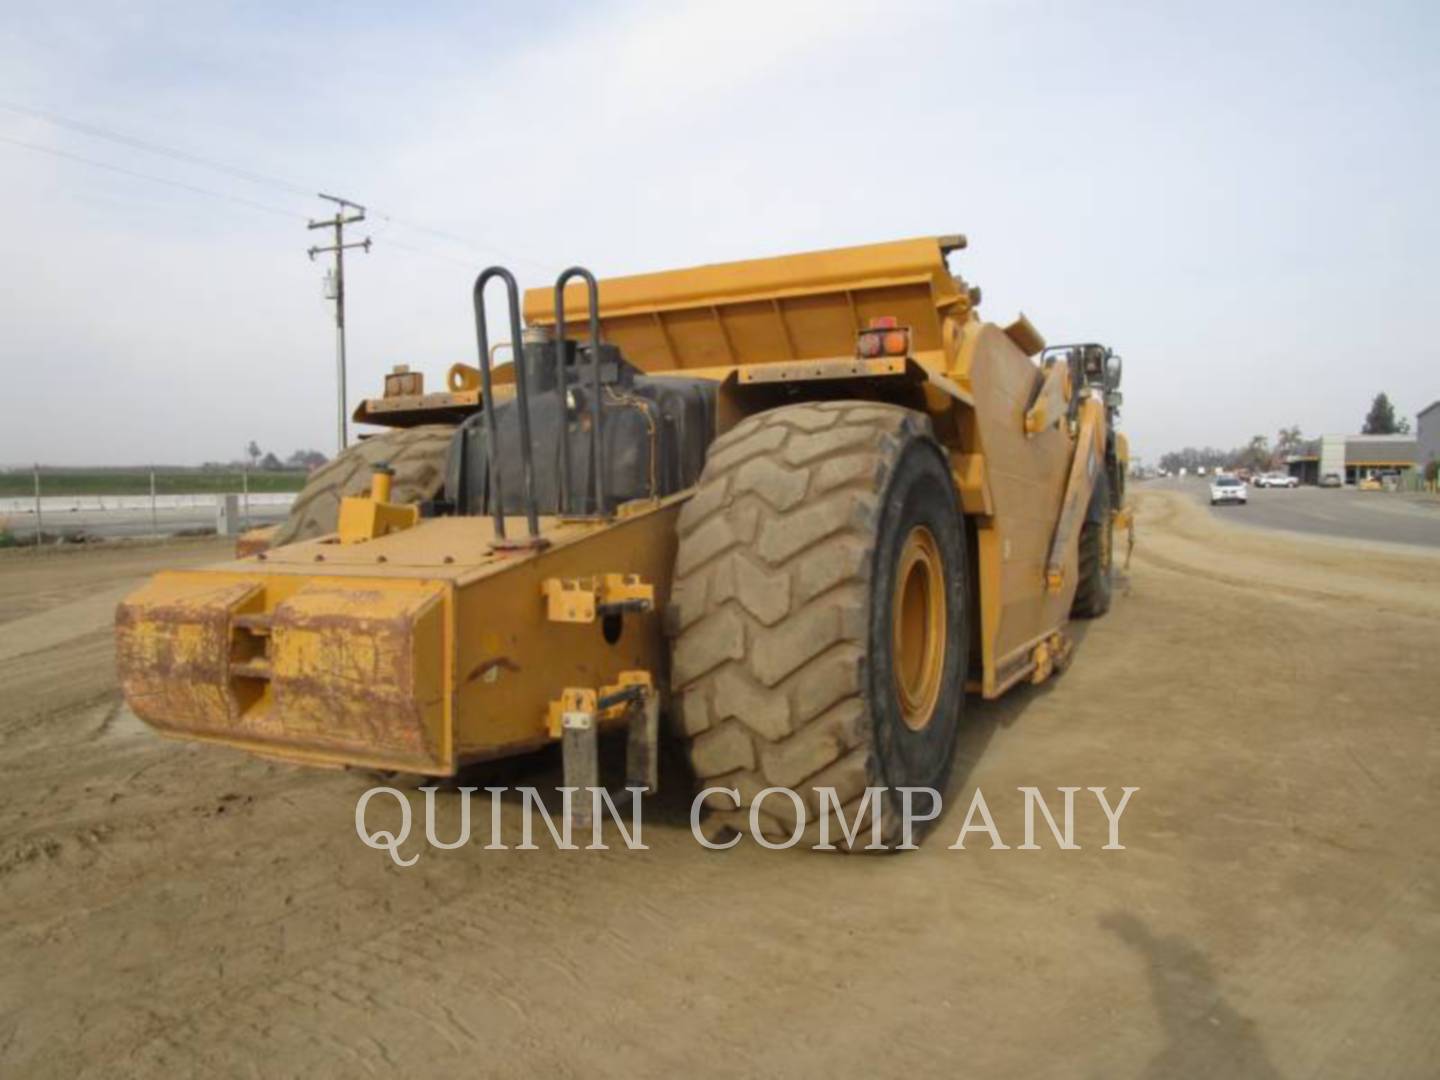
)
(597, 444)
(527, 456)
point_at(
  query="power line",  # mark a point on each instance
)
(251, 204)
(390, 242)
(249, 175)
(442, 235)
(181, 185)
(154, 148)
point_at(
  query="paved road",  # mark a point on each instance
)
(1356, 515)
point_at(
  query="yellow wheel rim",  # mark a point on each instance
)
(918, 627)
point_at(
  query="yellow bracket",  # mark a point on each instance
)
(1051, 656)
(361, 519)
(1078, 488)
(572, 700)
(579, 699)
(582, 600)
(841, 367)
(1051, 402)
(365, 517)
(1043, 664)
(1125, 519)
(968, 471)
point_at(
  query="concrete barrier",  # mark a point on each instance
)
(74, 503)
(227, 515)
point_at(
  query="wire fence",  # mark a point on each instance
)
(69, 506)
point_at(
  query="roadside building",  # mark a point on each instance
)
(1354, 457)
(1427, 432)
(1369, 454)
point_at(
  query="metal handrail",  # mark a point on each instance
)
(597, 443)
(482, 335)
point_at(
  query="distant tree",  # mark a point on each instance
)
(1255, 455)
(252, 451)
(1193, 458)
(306, 459)
(1289, 441)
(271, 463)
(1432, 470)
(1381, 418)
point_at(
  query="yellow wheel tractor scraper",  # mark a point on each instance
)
(803, 503)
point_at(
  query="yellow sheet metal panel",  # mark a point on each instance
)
(1027, 476)
(359, 670)
(415, 409)
(512, 661)
(331, 670)
(1026, 338)
(1085, 464)
(836, 268)
(793, 307)
(455, 549)
(839, 367)
(172, 650)
(442, 653)
(969, 474)
(1052, 402)
(448, 547)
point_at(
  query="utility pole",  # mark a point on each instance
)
(39, 522)
(338, 223)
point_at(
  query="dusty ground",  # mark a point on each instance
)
(178, 910)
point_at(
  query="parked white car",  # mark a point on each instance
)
(1225, 489)
(1275, 479)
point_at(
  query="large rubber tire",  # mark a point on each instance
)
(418, 456)
(783, 613)
(1097, 555)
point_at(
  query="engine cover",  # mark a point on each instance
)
(656, 433)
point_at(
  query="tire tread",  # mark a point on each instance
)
(769, 602)
(418, 455)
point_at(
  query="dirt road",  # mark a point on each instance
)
(176, 910)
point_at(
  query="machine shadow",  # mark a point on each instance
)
(670, 807)
(983, 719)
(1204, 1034)
(543, 770)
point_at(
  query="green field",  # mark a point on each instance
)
(137, 482)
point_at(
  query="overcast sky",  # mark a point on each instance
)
(1240, 198)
